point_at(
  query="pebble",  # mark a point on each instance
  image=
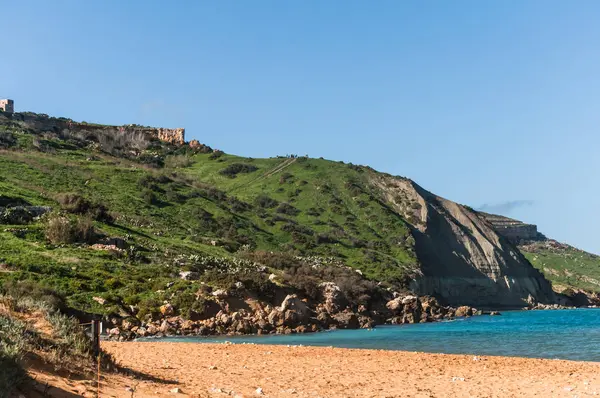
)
(259, 391)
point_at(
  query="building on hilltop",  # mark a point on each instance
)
(7, 105)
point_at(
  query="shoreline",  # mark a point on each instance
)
(207, 370)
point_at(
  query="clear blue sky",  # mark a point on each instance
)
(482, 102)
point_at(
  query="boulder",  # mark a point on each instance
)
(167, 309)
(292, 303)
(395, 305)
(464, 310)
(220, 293)
(275, 318)
(346, 320)
(333, 298)
(189, 275)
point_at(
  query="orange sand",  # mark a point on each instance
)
(218, 370)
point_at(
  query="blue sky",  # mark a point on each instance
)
(492, 103)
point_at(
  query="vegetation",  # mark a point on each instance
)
(565, 266)
(157, 210)
(32, 326)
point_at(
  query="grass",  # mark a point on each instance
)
(202, 205)
(567, 267)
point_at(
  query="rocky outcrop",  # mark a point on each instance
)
(463, 260)
(22, 214)
(513, 230)
(40, 123)
(293, 315)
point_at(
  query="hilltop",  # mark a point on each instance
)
(132, 224)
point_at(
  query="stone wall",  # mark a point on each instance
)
(41, 123)
(7, 105)
(513, 230)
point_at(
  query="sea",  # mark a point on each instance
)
(556, 334)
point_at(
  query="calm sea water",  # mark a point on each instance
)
(564, 334)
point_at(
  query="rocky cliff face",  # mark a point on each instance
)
(463, 259)
(514, 230)
(43, 123)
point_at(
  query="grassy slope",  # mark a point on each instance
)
(566, 267)
(337, 216)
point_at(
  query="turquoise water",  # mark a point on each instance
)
(564, 334)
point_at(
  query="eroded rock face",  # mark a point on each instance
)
(44, 123)
(334, 299)
(462, 258)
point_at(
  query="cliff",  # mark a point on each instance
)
(463, 259)
(40, 123)
(514, 230)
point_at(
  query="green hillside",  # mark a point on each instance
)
(174, 208)
(565, 266)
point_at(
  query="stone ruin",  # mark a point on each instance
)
(7, 105)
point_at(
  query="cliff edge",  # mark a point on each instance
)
(463, 259)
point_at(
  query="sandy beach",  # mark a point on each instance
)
(219, 370)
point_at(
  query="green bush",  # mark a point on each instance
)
(149, 197)
(288, 209)
(34, 291)
(236, 168)
(265, 202)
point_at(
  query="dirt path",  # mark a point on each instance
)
(209, 370)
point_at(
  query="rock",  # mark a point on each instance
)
(495, 313)
(334, 299)
(259, 391)
(176, 391)
(272, 277)
(346, 320)
(99, 300)
(167, 309)
(295, 311)
(220, 293)
(189, 275)
(366, 322)
(195, 144)
(463, 311)
(409, 300)
(395, 305)
(239, 285)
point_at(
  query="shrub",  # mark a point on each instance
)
(61, 229)
(7, 140)
(149, 197)
(77, 204)
(285, 177)
(286, 208)
(236, 168)
(188, 305)
(178, 161)
(237, 205)
(216, 155)
(265, 202)
(34, 292)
